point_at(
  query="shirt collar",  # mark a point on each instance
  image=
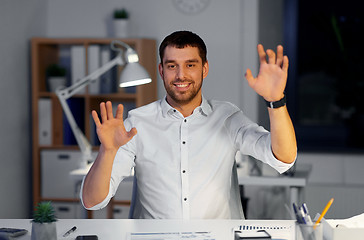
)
(205, 107)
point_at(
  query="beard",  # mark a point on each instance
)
(183, 97)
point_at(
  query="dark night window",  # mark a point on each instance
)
(325, 91)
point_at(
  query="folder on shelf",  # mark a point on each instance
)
(93, 64)
(45, 121)
(77, 106)
(106, 80)
(78, 64)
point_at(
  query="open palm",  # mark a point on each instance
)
(272, 77)
(111, 131)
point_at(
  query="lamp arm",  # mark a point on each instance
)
(71, 90)
(66, 93)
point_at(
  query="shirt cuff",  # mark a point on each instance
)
(280, 166)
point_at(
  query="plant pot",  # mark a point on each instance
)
(56, 82)
(44, 231)
(121, 28)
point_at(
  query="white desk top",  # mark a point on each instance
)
(118, 229)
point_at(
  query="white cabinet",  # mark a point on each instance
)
(68, 210)
(56, 181)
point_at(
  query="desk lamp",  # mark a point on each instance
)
(132, 75)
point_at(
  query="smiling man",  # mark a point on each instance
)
(183, 70)
(183, 146)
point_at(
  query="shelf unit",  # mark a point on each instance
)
(46, 51)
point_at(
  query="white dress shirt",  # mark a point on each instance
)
(184, 166)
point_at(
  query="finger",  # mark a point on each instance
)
(103, 112)
(271, 56)
(96, 118)
(285, 64)
(109, 110)
(120, 112)
(261, 53)
(132, 133)
(249, 77)
(279, 55)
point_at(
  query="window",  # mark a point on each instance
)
(325, 89)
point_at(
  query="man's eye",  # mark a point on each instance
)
(190, 65)
(171, 66)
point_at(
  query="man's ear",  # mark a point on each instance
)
(160, 69)
(205, 69)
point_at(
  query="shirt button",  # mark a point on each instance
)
(174, 110)
(184, 171)
(184, 142)
(185, 120)
(185, 199)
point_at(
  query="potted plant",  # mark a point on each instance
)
(56, 76)
(44, 222)
(121, 23)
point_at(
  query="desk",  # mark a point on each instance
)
(295, 184)
(117, 229)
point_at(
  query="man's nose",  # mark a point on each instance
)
(181, 73)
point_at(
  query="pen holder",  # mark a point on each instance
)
(308, 232)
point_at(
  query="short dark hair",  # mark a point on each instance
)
(182, 39)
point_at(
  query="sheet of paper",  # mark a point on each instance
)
(353, 222)
(170, 236)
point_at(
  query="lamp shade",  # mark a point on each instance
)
(133, 74)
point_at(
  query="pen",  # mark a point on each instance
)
(70, 231)
(297, 213)
(307, 214)
(302, 216)
(323, 213)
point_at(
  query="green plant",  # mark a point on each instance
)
(44, 213)
(54, 70)
(121, 13)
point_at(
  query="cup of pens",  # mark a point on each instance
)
(310, 232)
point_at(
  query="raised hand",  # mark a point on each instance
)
(111, 132)
(272, 77)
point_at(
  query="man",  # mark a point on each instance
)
(182, 147)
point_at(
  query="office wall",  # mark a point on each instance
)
(20, 20)
(218, 25)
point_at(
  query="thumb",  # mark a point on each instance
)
(132, 133)
(249, 77)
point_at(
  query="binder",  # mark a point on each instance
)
(78, 65)
(45, 121)
(106, 80)
(93, 64)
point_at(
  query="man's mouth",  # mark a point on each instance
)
(182, 86)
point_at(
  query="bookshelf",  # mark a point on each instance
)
(50, 135)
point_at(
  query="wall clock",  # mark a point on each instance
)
(191, 7)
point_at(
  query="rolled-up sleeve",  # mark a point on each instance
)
(252, 139)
